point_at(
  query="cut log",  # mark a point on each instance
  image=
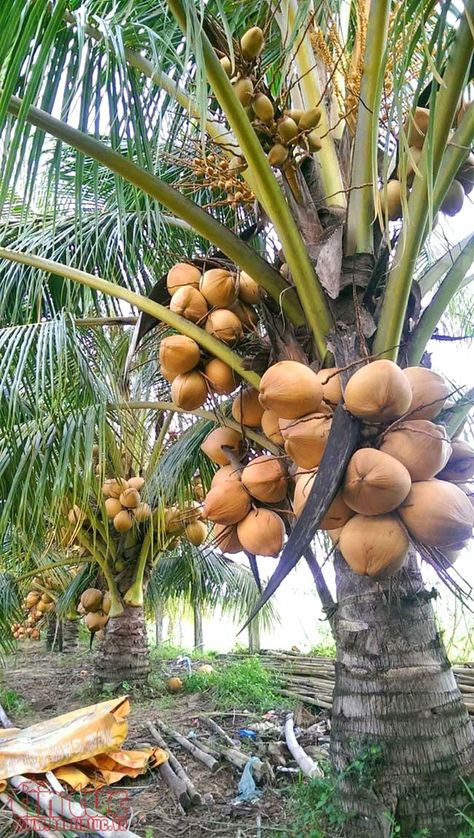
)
(188, 746)
(212, 725)
(307, 765)
(178, 769)
(176, 784)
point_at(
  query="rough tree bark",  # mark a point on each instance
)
(122, 649)
(395, 689)
(53, 634)
(254, 636)
(198, 631)
(69, 636)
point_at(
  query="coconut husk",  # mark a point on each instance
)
(261, 532)
(189, 391)
(113, 487)
(218, 286)
(196, 532)
(182, 275)
(338, 513)
(374, 546)
(179, 354)
(290, 389)
(330, 381)
(248, 290)
(378, 392)
(106, 603)
(91, 600)
(224, 325)
(212, 445)
(460, 465)
(123, 521)
(95, 622)
(429, 392)
(112, 507)
(375, 483)
(130, 498)
(229, 472)
(142, 512)
(437, 513)
(226, 539)
(190, 304)
(246, 408)
(271, 427)
(306, 439)
(227, 503)
(32, 599)
(421, 446)
(265, 479)
(390, 200)
(221, 378)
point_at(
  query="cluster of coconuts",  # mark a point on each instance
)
(221, 303)
(280, 131)
(222, 173)
(123, 505)
(36, 605)
(416, 128)
(186, 522)
(94, 606)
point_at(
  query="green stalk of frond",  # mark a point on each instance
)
(135, 594)
(438, 305)
(310, 292)
(116, 607)
(156, 450)
(202, 222)
(185, 327)
(458, 148)
(361, 211)
(400, 278)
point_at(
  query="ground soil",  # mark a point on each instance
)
(52, 684)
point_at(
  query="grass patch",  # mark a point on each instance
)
(244, 684)
(12, 702)
(168, 652)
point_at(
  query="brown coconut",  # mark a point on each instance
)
(306, 439)
(112, 507)
(196, 532)
(123, 521)
(218, 286)
(416, 127)
(271, 427)
(375, 483)
(331, 384)
(106, 603)
(174, 520)
(189, 303)
(374, 546)
(136, 482)
(91, 600)
(429, 392)
(423, 447)
(248, 290)
(224, 325)
(113, 487)
(437, 513)
(229, 472)
(226, 539)
(246, 408)
(338, 513)
(290, 389)
(221, 378)
(130, 498)
(378, 392)
(261, 532)
(174, 684)
(95, 622)
(460, 465)
(181, 275)
(390, 198)
(246, 314)
(32, 599)
(265, 478)
(189, 391)
(227, 503)
(142, 512)
(179, 354)
(212, 445)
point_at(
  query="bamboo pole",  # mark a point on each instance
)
(178, 769)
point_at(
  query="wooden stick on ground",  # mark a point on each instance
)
(195, 751)
(178, 769)
(212, 725)
(177, 786)
(31, 820)
(305, 763)
(238, 759)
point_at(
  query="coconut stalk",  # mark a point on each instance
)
(307, 765)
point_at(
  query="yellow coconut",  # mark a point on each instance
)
(196, 532)
(460, 465)
(226, 539)
(437, 513)
(246, 314)
(416, 127)
(221, 378)
(227, 503)
(174, 685)
(173, 520)
(76, 515)
(374, 546)
(212, 445)
(224, 325)
(330, 381)
(453, 200)
(265, 478)
(390, 197)
(278, 155)
(243, 89)
(306, 438)
(423, 447)
(46, 598)
(189, 391)
(136, 482)
(112, 507)
(375, 483)
(429, 392)
(271, 427)
(218, 286)
(179, 354)
(261, 532)
(263, 108)
(226, 65)
(205, 669)
(378, 392)
(91, 599)
(106, 603)
(247, 409)
(290, 389)
(229, 472)
(248, 290)
(313, 141)
(32, 599)
(113, 487)
(251, 43)
(142, 512)
(130, 498)
(287, 129)
(123, 521)
(181, 275)
(96, 622)
(189, 303)
(338, 513)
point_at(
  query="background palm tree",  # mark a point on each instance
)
(120, 183)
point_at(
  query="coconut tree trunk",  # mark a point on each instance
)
(122, 650)
(70, 636)
(396, 694)
(53, 636)
(198, 632)
(254, 636)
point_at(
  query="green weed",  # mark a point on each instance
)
(245, 684)
(168, 652)
(12, 702)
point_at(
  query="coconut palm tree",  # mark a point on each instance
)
(298, 155)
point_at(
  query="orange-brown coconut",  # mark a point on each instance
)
(271, 427)
(290, 389)
(374, 546)
(196, 532)
(179, 354)
(246, 408)
(91, 599)
(212, 445)
(306, 439)
(226, 539)
(265, 478)
(123, 521)
(218, 286)
(113, 487)
(331, 384)
(229, 472)
(221, 378)
(112, 507)
(437, 513)
(338, 513)
(189, 391)
(246, 314)
(378, 392)
(423, 447)
(224, 325)
(416, 127)
(181, 275)
(460, 465)
(130, 498)
(375, 483)
(136, 482)
(190, 304)
(429, 392)
(227, 503)
(261, 532)
(95, 622)
(248, 290)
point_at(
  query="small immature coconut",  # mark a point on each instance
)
(290, 389)
(390, 196)
(173, 520)
(76, 515)
(91, 600)
(330, 381)
(295, 113)
(374, 546)
(416, 127)
(313, 141)
(179, 354)
(174, 685)
(136, 482)
(189, 391)
(218, 286)
(453, 200)
(423, 447)
(226, 65)
(243, 89)
(265, 478)
(309, 119)
(248, 290)
(271, 427)
(251, 43)
(130, 498)
(212, 445)
(375, 483)
(227, 503)
(113, 487)
(123, 521)
(306, 438)
(278, 155)
(460, 465)
(196, 532)
(229, 472)
(221, 378)
(263, 108)
(189, 303)
(247, 409)
(429, 392)
(287, 129)
(112, 507)
(338, 513)
(181, 275)
(378, 392)
(142, 512)
(32, 599)
(224, 325)
(261, 532)
(437, 513)
(226, 539)
(106, 603)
